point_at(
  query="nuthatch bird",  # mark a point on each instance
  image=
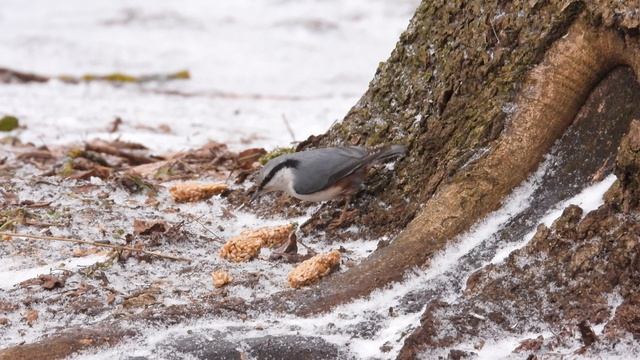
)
(321, 174)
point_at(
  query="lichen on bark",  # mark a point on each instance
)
(454, 103)
(449, 87)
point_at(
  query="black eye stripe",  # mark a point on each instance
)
(290, 163)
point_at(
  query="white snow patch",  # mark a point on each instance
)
(589, 199)
(251, 62)
(514, 204)
(11, 272)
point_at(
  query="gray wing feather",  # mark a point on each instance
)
(323, 167)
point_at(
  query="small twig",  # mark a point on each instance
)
(6, 225)
(289, 129)
(307, 247)
(494, 32)
(205, 227)
(229, 177)
(118, 247)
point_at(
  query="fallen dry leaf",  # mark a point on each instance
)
(121, 149)
(51, 282)
(41, 156)
(6, 306)
(221, 278)
(47, 282)
(248, 157)
(86, 341)
(147, 227)
(288, 251)
(111, 298)
(530, 345)
(82, 252)
(164, 128)
(30, 316)
(192, 192)
(149, 170)
(212, 152)
(310, 271)
(98, 171)
(288, 247)
(142, 298)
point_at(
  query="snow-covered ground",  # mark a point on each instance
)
(252, 63)
(342, 327)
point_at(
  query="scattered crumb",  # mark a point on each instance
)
(241, 249)
(271, 236)
(221, 278)
(247, 245)
(192, 192)
(310, 271)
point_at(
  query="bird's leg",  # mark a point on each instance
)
(343, 213)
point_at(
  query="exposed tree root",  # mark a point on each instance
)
(546, 106)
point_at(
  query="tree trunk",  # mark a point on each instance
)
(479, 91)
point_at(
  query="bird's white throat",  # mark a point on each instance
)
(281, 181)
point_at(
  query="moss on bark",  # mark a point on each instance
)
(476, 126)
(448, 88)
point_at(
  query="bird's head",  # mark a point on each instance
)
(275, 175)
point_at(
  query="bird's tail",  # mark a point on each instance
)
(387, 153)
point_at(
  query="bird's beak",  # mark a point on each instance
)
(254, 196)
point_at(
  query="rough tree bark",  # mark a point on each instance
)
(478, 90)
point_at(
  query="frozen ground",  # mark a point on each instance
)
(96, 210)
(386, 329)
(252, 62)
(102, 211)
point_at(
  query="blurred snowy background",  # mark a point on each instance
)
(251, 62)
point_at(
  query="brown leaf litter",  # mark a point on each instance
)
(47, 282)
(142, 298)
(147, 227)
(30, 316)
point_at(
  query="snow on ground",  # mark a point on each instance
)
(589, 199)
(344, 325)
(252, 62)
(106, 212)
(16, 270)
